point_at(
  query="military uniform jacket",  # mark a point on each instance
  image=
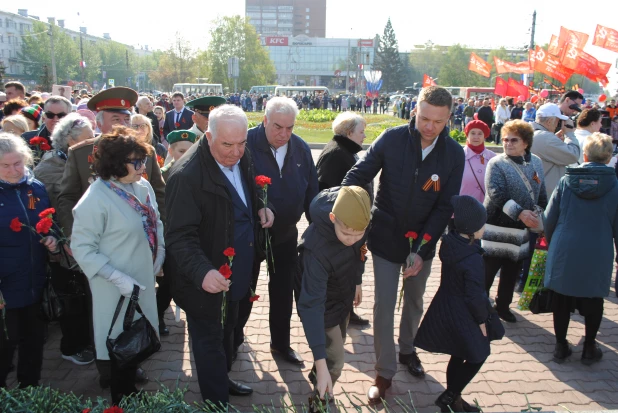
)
(78, 176)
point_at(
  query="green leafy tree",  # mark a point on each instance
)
(426, 59)
(387, 60)
(236, 37)
(176, 65)
(454, 69)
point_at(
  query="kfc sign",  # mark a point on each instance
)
(276, 41)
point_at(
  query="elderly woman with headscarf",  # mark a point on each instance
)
(71, 130)
(23, 257)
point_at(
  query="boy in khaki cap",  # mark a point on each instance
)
(332, 257)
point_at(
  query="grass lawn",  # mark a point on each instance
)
(321, 132)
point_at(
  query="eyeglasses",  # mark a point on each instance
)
(52, 115)
(141, 126)
(137, 163)
(506, 141)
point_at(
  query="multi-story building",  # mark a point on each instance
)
(287, 17)
(13, 28)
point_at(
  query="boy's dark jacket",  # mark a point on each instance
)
(330, 273)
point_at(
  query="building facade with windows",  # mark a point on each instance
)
(315, 61)
(287, 17)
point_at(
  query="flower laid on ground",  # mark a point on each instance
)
(113, 409)
(86, 410)
(411, 236)
(263, 181)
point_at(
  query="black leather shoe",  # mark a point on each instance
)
(377, 392)
(140, 376)
(469, 408)
(289, 355)
(238, 389)
(449, 402)
(163, 330)
(591, 354)
(506, 315)
(413, 363)
(561, 352)
(357, 320)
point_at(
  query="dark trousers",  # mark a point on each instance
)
(590, 308)
(75, 330)
(459, 373)
(509, 271)
(280, 290)
(122, 381)
(164, 295)
(25, 332)
(213, 347)
(533, 236)
(245, 306)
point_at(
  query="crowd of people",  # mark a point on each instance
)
(185, 202)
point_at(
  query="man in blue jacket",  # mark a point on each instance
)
(286, 159)
(421, 169)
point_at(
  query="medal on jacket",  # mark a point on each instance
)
(536, 178)
(482, 160)
(93, 175)
(32, 200)
(433, 182)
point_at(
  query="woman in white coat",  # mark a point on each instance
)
(118, 242)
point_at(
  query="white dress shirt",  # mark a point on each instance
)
(232, 173)
(279, 154)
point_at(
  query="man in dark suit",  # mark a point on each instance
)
(179, 117)
(213, 205)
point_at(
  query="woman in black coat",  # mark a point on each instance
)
(455, 321)
(338, 157)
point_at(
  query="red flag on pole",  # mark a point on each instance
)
(572, 37)
(501, 87)
(478, 65)
(428, 81)
(606, 38)
(551, 66)
(584, 64)
(502, 66)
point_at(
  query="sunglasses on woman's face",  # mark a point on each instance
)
(137, 163)
(506, 141)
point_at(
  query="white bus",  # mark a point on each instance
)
(201, 88)
(263, 90)
(290, 91)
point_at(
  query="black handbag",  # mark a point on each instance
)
(137, 341)
(51, 305)
(541, 301)
(495, 329)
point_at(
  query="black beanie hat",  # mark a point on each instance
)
(470, 214)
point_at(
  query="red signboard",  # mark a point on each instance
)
(276, 41)
(365, 43)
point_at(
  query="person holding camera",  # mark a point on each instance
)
(558, 149)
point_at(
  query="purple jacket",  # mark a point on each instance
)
(474, 167)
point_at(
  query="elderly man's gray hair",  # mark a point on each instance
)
(69, 127)
(226, 114)
(58, 99)
(141, 101)
(281, 104)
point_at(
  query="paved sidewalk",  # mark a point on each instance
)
(521, 364)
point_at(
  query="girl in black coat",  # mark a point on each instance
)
(455, 321)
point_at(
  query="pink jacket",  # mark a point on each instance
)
(474, 170)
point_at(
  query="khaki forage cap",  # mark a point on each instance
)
(353, 207)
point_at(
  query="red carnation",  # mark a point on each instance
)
(37, 141)
(225, 271)
(47, 213)
(86, 410)
(427, 237)
(262, 181)
(160, 161)
(113, 409)
(45, 147)
(411, 234)
(177, 124)
(254, 298)
(44, 225)
(229, 252)
(15, 225)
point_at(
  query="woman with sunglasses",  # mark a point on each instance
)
(143, 129)
(117, 241)
(515, 188)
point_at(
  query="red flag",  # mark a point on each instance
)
(606, 38)
(516, 89)
(501, 87)
(557, 45)
(428, 81)
(545, 63)
(503, 66)
(584, 64)
(478, 65)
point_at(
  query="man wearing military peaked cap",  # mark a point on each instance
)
(117, 99)
(202, 107)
